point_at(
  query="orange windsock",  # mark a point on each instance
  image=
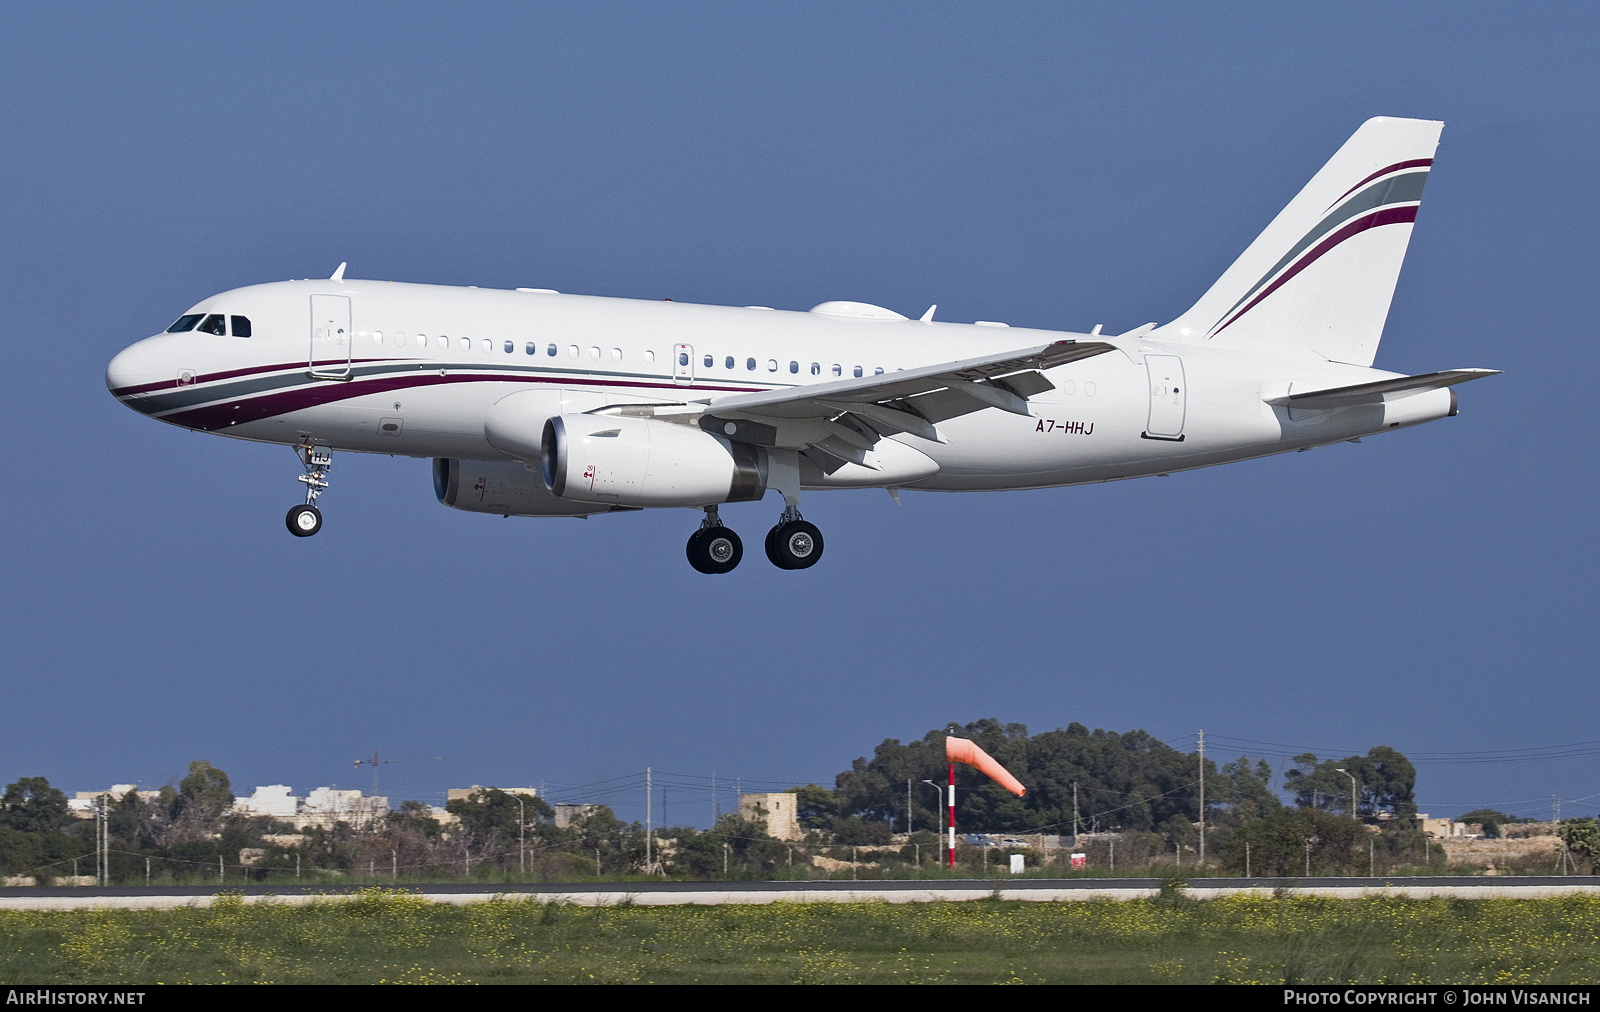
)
(961, 750)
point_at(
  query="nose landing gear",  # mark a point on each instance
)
(714, 548)
(306, 520)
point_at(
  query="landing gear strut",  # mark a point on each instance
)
(304, 521)
(714, 548)
(795, 543)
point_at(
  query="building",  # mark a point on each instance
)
(327, 805)
(780, 812)
(273, 800)
(1440, 829)
(465, 793)
(566, 815)
(82, 803)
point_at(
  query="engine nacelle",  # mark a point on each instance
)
(633, 461)
(501, 487)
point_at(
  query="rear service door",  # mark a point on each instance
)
(1167, 393)
(330, 336)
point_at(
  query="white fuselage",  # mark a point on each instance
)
(414, 370)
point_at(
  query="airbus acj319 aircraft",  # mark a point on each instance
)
(534, 403)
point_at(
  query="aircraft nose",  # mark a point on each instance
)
(133, 369)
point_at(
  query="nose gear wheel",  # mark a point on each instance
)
(304, 521)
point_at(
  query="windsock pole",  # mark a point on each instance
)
(960, 750)
(952, 820)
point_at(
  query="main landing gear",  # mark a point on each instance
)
(793, 544)
(714, 548)
(304, 521)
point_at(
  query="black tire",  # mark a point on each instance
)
(794, 545)
(697, 558)
(303, 521)
(714, 550)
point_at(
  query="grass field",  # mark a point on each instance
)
(392, 937)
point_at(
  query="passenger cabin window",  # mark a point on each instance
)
(551, 351)
(241, 327)
(729, 363)
(836, 370)
(511, 346)
(794, 367)
(214, 324)
(750, 364)
(185, 323)
(858, 372)
(533, 349)
(709, 361)
(816, 369)
(616, 354)
(772, 365)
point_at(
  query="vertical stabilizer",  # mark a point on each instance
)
(1323, 273)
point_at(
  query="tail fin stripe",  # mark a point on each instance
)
(1396, 167)
(1386, 216)
(1397, 190)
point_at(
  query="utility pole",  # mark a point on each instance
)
(1202, 795)
(1074, 813)
(522, 822)
(649, 803)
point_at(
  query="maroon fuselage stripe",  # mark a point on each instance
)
(213, 417)
(212, 377)
(1386, 216)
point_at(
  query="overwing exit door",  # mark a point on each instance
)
(1167, 393)
(682, 364)
(331, 342)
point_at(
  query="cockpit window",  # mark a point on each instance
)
(241, 326)
(214, 324)
(185, 323)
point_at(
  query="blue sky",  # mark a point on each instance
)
(1048, 165)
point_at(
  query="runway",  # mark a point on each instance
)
(896, 891)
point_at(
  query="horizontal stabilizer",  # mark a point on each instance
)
(1380, 391)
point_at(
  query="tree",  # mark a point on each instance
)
(1582, 836)
(31, 805)
(1490, 820)
(1248, 790)
(1130, 781)
(205, 793)
(1279, 840)
(493, 820)
(1385, 780)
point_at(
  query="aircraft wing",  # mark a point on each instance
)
(914, 399)
(1380, 391)
(845, 418)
